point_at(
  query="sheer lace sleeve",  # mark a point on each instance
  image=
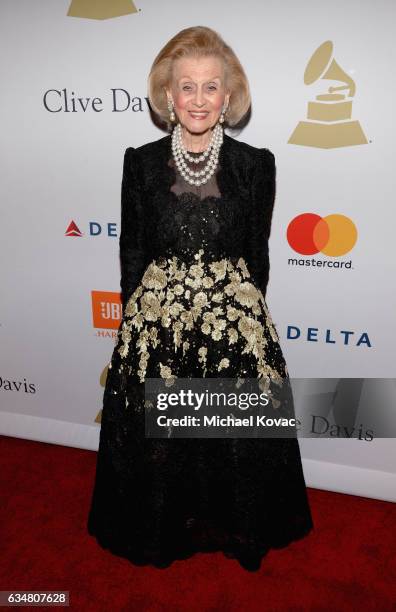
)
(259, 223)
(132, 254)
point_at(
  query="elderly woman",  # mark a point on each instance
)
(196, 209)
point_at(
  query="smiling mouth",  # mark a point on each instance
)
(197, 115)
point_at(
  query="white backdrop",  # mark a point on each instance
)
(61, 166)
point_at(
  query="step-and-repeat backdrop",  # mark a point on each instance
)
(74, 96)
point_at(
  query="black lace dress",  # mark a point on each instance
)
(194, 270)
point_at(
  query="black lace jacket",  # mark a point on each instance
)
(152, 215)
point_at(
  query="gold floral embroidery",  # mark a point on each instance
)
(224, 363)
(151, 306)
(219, 269)
(179, 289)
(188, 320)
(241, 264)
(205, 328)
(154, 277)
(247, 294)
(200, 299)
(207, 282)
(232, 313)
(179, 297)
(196, 270)
(232, 335)
(166, 373)
(126, 338)
(202, 354)
(271, 326)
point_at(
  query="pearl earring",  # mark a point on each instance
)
(223, 111)
(172, 116)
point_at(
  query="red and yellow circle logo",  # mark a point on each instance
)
(333, 235)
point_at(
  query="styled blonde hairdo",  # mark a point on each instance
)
(199, 41)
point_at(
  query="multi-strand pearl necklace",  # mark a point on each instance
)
(180, 154)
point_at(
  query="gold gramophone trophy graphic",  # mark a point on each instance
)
(329, 123)
(101, 9)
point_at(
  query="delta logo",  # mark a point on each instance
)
(334, 236)
(108, 230)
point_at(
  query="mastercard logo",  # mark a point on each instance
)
(333, 235)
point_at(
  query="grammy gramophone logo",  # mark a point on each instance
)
(329, 121)
(101, 9)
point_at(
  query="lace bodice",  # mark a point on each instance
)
(163, 216)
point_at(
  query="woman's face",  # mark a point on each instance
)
(198, 92)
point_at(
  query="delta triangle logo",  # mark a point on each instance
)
(73, 230)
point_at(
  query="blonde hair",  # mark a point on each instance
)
(199, 41)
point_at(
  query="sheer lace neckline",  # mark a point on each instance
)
(224, 176)
(180, 186)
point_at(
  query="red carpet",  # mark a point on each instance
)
(346, 563)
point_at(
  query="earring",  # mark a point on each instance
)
(222, 116)
(172, 116)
